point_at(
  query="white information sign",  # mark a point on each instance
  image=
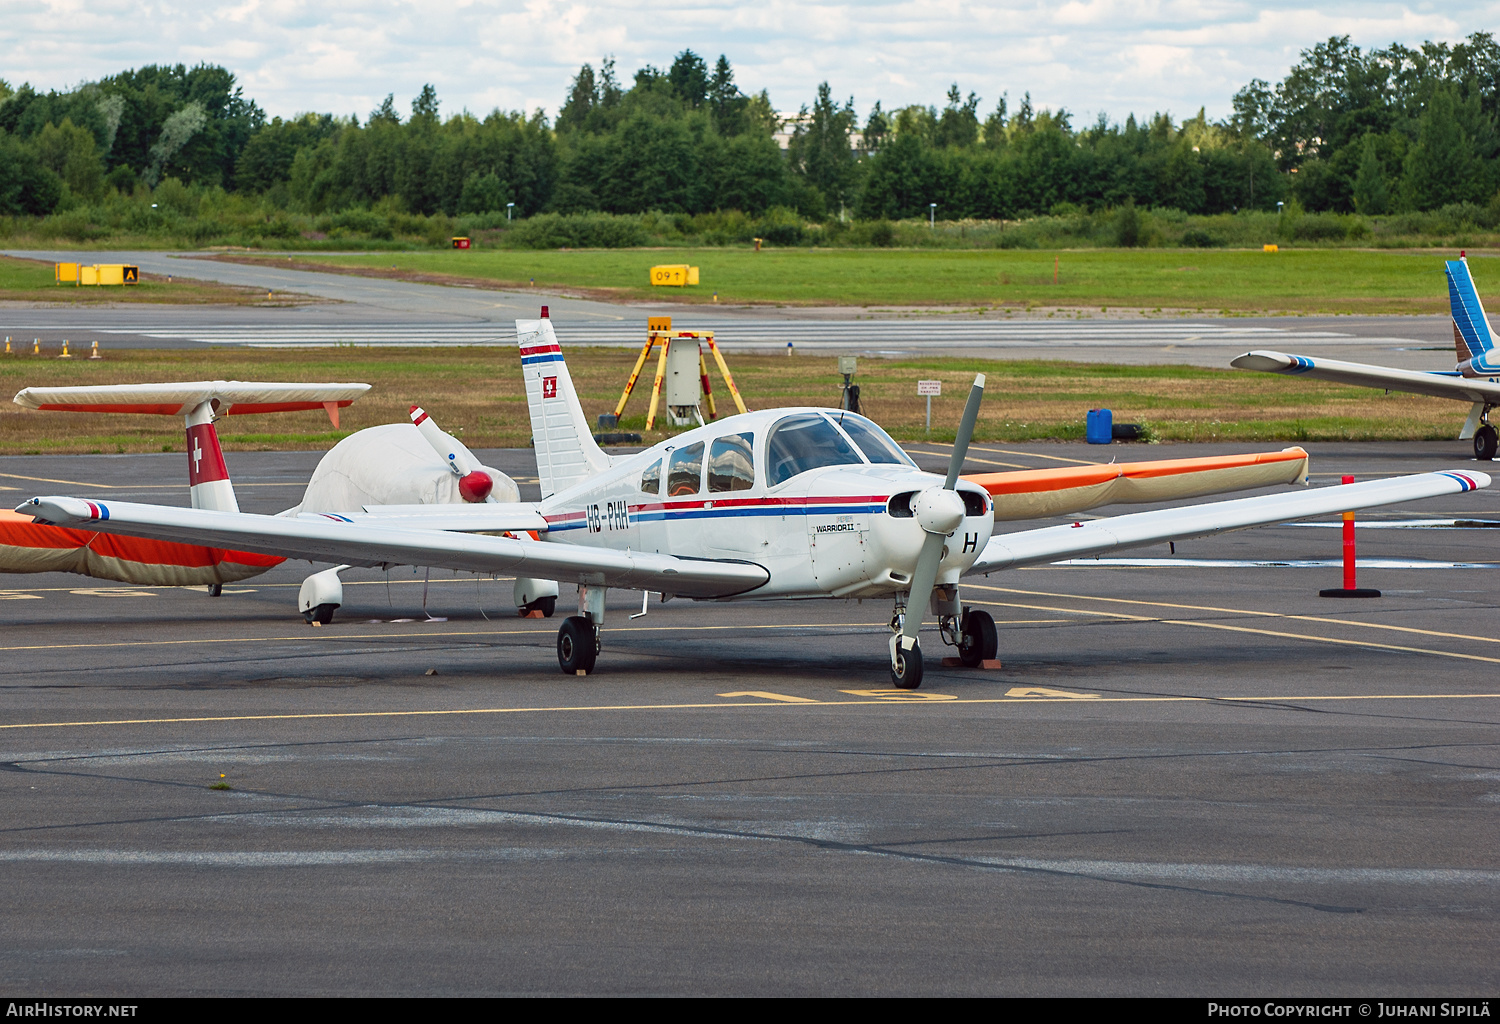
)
(929, 387)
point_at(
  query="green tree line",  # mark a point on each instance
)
(1346, 131)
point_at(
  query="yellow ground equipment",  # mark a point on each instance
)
(676, 380)
(675, 275)
(99, 273)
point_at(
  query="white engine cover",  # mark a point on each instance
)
(392, 464)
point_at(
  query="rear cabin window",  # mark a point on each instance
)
(802, 442)
(685, 470)
(651, 479)
(731, 466)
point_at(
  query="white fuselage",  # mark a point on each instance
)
(826, 531)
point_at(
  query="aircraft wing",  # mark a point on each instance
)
(324, 539)
(479, 517)
(1079, 540)
(1418, 382)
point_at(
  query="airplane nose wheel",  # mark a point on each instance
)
(906, 668)
(577, 645)
(1486, 440)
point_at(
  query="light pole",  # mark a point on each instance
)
(932, 215)
(508, 208)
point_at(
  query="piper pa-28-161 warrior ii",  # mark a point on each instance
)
(1475, 379)
(782, 503)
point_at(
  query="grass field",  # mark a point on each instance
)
(476, 393)
(1231, 281)
(32, 281)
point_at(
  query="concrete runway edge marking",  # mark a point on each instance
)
(898, 697)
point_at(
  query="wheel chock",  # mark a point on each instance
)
(535, 613)
(988, 663)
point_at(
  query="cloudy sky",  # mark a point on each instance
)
(1091, 56)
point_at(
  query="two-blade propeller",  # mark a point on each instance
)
(939, 511)
(474, 485)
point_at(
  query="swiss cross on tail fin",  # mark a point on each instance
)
(566, 454)
(549, 387)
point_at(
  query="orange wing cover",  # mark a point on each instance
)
(1039, 493)
(29, 546)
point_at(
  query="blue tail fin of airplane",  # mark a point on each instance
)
(1472, 337)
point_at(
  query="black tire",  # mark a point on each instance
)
(215, 589)
(322, 614)
(980, 640)
(1486, 439)
(906, 673)
(577, 647)
(547, 605)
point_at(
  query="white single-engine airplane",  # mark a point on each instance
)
(783, 503)
(1476, 378)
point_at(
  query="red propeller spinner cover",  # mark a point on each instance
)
(476, 486)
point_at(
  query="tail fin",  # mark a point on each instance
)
(565, 449)
(1472, 338)
(208, 476)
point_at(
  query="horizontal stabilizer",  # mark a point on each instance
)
(235, 397)
(1054, 543)
(333, 539)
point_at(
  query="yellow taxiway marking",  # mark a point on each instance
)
(1234, 611)
(770, 696)
(889, 695)
(1042, 691)
(452, 712)
(350, 637)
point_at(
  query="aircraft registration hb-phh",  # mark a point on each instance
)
(781, 503)
(1475, 378)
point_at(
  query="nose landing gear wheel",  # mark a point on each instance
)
(1486, 439)
(980, 642)
(906, 672)
(577, 648)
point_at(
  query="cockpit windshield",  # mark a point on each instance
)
(805, 441)
(877, 445)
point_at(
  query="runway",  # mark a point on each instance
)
(368, 311)
(1190, 777)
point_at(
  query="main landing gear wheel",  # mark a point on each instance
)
(215, 589)
(906, 672)
(980, 641)
(1486, 439)
(322, 614)
(577, 647)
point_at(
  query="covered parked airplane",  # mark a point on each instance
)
(1476, 378)
(783, 503)
(391, 464)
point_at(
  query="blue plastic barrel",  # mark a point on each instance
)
(1100, 426)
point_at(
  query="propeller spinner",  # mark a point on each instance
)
(474, 485)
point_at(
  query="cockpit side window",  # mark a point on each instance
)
(685, 471)
(875, 443)
(731, 466)
(802, 442)
(651, 479)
